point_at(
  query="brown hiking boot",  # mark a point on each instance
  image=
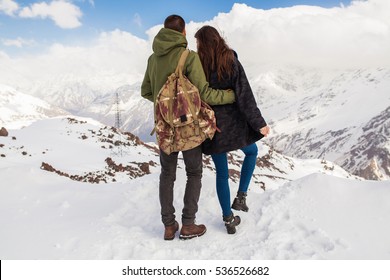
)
(191, 231)
(170, 231)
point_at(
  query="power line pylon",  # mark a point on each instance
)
(118, 123)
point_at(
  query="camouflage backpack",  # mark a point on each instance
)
(182, 120)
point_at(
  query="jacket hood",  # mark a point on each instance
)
(166, 40)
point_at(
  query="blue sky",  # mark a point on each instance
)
(24, 25)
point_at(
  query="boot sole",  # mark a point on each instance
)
(239, 209)
(169, 238)
(186, 237)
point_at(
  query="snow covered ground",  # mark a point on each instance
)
(316, 217)
(46, 216)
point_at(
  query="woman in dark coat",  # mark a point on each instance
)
(241, 123)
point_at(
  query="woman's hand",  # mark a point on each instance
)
(265, 130)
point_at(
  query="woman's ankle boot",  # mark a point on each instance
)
(239, 202)
(231, 222)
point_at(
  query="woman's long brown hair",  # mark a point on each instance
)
(215, 55)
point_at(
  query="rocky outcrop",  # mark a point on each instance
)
(370, 157)
(3, 132)
(134, 170)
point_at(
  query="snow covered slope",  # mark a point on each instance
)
(304, 212)
(82, 148)
(18, 109)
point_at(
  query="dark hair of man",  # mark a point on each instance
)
(175, 22)
(215, 55)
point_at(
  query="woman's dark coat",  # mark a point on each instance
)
(239, 122)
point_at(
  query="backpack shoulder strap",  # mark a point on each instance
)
(182, 61)
(179, 73)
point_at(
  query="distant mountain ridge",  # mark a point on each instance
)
(18, 109)
(331, 116)
(373, 147)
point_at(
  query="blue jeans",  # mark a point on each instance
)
(221, 165)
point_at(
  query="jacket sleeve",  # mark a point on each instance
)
(245, 99)
(146, 88)
(195, 73)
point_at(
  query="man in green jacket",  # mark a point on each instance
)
(168, 44)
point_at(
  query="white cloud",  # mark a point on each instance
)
(4, 57)
(113, 59)
(9, 7)
(18, 42)
(354, 36)
(63, 13)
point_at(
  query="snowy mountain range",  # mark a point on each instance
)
(18, 109)
(74, 188)
(341, 116)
